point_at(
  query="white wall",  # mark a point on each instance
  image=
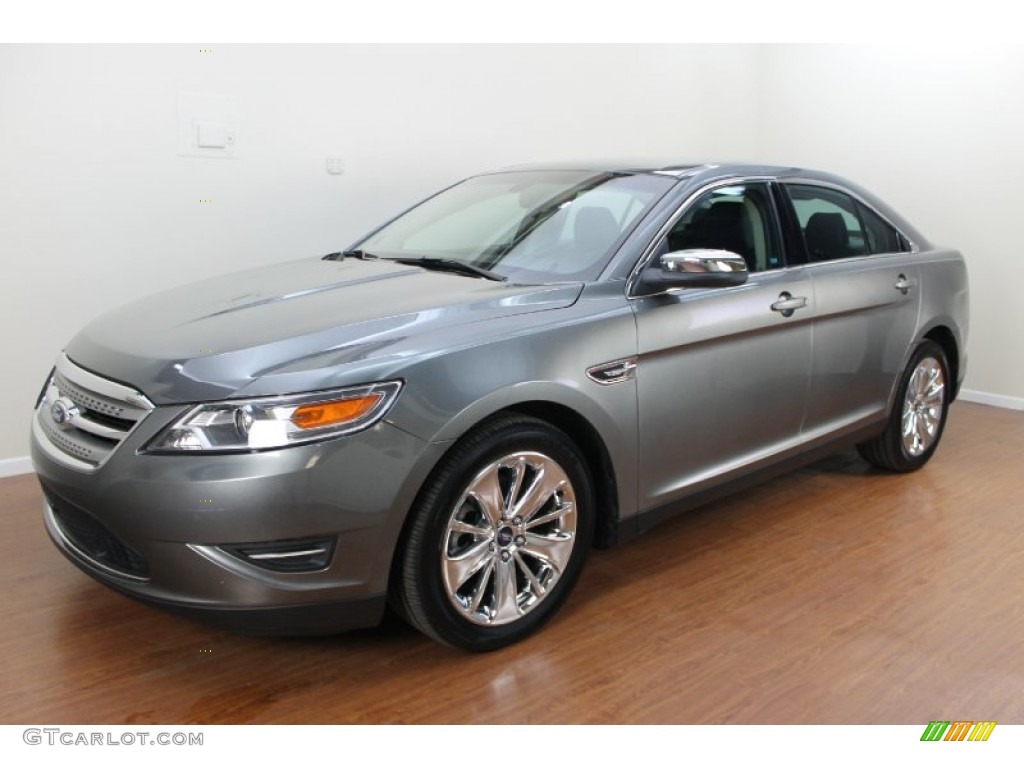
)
(938, 132)
(97, 207)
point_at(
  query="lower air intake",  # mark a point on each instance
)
(93, 540)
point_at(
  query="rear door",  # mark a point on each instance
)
(867, 293)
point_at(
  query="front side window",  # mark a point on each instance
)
(738, 218)
(836, 226)
(527, 226)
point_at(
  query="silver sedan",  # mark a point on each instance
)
(447, 415)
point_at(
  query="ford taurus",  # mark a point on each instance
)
(447, 415)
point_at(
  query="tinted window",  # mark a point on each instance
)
(737, 218)
(529, 226)
(835, 226)
(881, 237)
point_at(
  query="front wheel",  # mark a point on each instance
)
(918, 416)
(498, 537)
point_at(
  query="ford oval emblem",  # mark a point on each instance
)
(63, 411)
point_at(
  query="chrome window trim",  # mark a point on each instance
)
(651, 247)
(914, 246)
(847, 259)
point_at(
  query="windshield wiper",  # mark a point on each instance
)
(450, 265)
(355, 253)
(427, 262)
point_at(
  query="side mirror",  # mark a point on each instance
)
(698, 268)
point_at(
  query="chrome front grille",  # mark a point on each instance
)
(98, 404)
(82, 417)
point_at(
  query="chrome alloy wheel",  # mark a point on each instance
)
(509, 538)
(923, 406)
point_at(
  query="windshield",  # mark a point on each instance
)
(527, 226)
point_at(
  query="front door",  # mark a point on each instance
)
(721, 375)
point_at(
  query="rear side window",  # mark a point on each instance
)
(881, 238)
(836, 226)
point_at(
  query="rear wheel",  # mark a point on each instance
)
(498, 536)
(918, 416)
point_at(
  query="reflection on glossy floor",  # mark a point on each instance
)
(831, 595)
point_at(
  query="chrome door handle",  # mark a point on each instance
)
(788, 304)
(902, 284)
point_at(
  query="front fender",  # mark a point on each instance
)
(447, 395)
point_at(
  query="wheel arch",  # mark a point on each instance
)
(414, 579)
(604, 476)
(606, 480)
(944, 337)
(602, 420)
(595, 452)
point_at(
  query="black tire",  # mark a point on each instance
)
(475, 614)
(926, 409)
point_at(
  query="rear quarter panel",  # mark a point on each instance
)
(945, 301)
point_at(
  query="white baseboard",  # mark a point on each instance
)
(19, 465)
(987, 398)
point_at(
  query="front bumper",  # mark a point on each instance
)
(163, 528)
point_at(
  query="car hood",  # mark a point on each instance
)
(297, 326)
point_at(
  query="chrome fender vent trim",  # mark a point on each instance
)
(613, 372)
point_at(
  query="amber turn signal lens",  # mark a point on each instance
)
(328, 414)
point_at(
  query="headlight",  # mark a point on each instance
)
(251, 425)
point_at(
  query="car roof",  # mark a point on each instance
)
(666, 166)
(700, 173)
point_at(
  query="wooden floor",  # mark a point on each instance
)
(831, 595)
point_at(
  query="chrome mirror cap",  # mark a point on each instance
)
(703, 261)
(696, 268)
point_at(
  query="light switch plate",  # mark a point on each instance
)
(211, 135)
(335, 165)
(207, 125)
